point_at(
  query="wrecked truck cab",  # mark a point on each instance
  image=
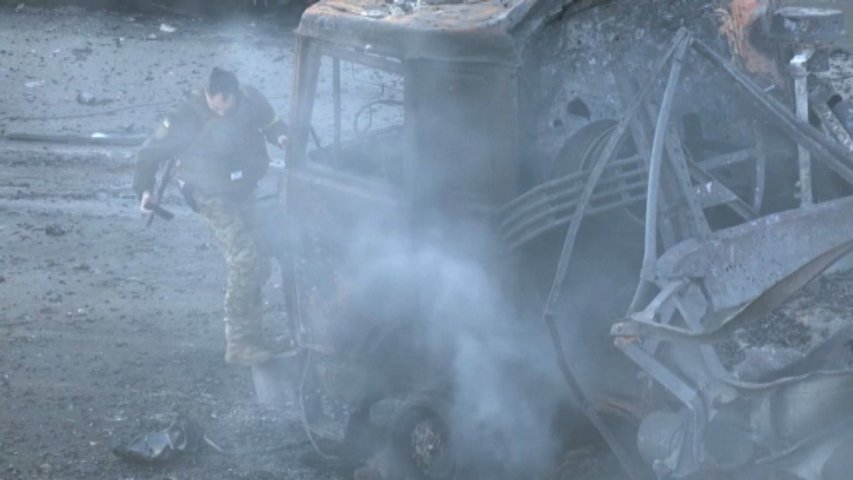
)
(431, 153)
(455, 192)
(380, 194)
(436, 145)
(457, 96)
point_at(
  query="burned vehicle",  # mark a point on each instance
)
(464, 246)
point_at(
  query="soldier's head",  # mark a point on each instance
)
(221, 91)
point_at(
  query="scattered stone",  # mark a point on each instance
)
(165, 27)
(82, 267)
(81, 54)
(85, 98)
(55, 230)
(45, 470)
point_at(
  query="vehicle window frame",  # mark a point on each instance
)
(313, 147)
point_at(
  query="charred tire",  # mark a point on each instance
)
(420, 438)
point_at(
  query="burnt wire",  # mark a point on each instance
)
(306, 368)
(303, 415)
(389, 85)
(368, 107)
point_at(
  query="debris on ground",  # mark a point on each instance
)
(85, 98)
(181, 436)
(55, 230)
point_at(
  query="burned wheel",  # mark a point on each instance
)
(421, 445)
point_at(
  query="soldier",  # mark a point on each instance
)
(217, 139)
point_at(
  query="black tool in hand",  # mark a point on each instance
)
(156, 209)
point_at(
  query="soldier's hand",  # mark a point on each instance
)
(145, 202)
(282, 141)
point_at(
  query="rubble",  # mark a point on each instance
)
(55, 230)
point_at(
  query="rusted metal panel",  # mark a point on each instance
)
(737, 264)
(493, 31)
(463, 98)
(474, 32)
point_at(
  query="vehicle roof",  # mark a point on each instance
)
(471, 30)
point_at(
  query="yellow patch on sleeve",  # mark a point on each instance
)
(273, 122)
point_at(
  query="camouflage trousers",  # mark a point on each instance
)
(248, 264)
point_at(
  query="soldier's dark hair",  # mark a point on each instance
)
(222, 81)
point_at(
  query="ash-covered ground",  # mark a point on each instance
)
(108, 329)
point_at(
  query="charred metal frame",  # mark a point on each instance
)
(695, 290)
(309, 53)
(697, 279)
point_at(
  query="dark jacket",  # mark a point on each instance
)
(216, 156)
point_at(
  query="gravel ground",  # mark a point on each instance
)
(109, 329)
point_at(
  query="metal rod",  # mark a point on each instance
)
(688, 395)
(570, 204)
(739, 206)
(670, 229)
(546, 198)
(369, 60)
(302, 105)
(562, 214)
(641, 141)
(826, 149)
(558, 184)
(607, 154)
(628, 462)
(833, 125)
(678, 162)
(801, 98)
(531, 234)
(760, 169)
(727, 159)
(650, 253)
